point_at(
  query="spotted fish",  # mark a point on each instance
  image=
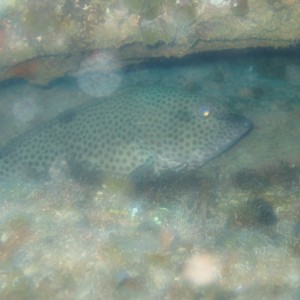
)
(162, 128)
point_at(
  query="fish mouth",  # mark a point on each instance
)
(243, 127)
(244, 124)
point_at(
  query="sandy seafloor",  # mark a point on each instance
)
(230, 230)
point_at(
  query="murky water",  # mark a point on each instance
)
(228, 230)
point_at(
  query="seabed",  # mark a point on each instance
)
(230, 230)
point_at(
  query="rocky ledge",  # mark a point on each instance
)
(45, 39)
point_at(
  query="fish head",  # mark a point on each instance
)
(194, 133)
(220, 129)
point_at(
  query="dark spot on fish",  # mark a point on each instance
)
(187, 136)
(67, 117)
(183, 116)
(84, 172)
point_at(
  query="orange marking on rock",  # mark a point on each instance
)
(26, 70)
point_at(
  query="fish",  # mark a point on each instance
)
(155, 127)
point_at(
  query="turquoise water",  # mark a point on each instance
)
(228, 230)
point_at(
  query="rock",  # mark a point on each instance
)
(66, 31)
(239, 7)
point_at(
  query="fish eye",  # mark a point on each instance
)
(204, 111)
